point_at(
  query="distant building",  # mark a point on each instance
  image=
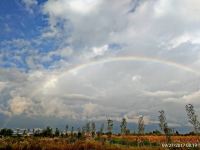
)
(26, 132)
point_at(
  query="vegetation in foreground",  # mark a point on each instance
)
(147, 142)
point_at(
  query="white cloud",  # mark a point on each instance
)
(136, 78)
(160, 93)
(19, 105)
(90, 32)
(83, 6)
(50, 83)
(133, 117)
(100, 50)
(170, 7)
(59, 8)
(185, 38)
(57, 108)
(163, 7)
(91, 21)
(192, 97)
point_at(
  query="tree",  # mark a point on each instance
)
(37, 132)
(79, 136)
(25, 132)
(163, 125)
(157, 132)
(123, 126)
(93, 129)
(47, 132)
(72, 131)
(57, 132)
(177, 133)
(6, 132)
(162, 119)
(141, 125)
(193, 118)
(66, 130)
(109, 127)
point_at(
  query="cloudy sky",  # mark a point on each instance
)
(93, 59)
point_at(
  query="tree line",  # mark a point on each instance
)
(89, 129)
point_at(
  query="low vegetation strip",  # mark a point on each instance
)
(115, 143)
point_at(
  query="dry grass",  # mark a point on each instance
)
(31, 143)
(160, 139)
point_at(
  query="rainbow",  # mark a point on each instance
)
(133, 58)
(126, 58)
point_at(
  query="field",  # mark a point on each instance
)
(160, 139)
(147, 142)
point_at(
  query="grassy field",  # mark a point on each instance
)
(148, 142)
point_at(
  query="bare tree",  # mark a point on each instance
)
(66, 130)
(93, 126)
(141, 125)
(162, 119)
(163, 125)
(193, 118)
(123, 126)
(109, 127)
(72, 131)
(57, 132)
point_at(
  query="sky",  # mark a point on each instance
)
(79, 60)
